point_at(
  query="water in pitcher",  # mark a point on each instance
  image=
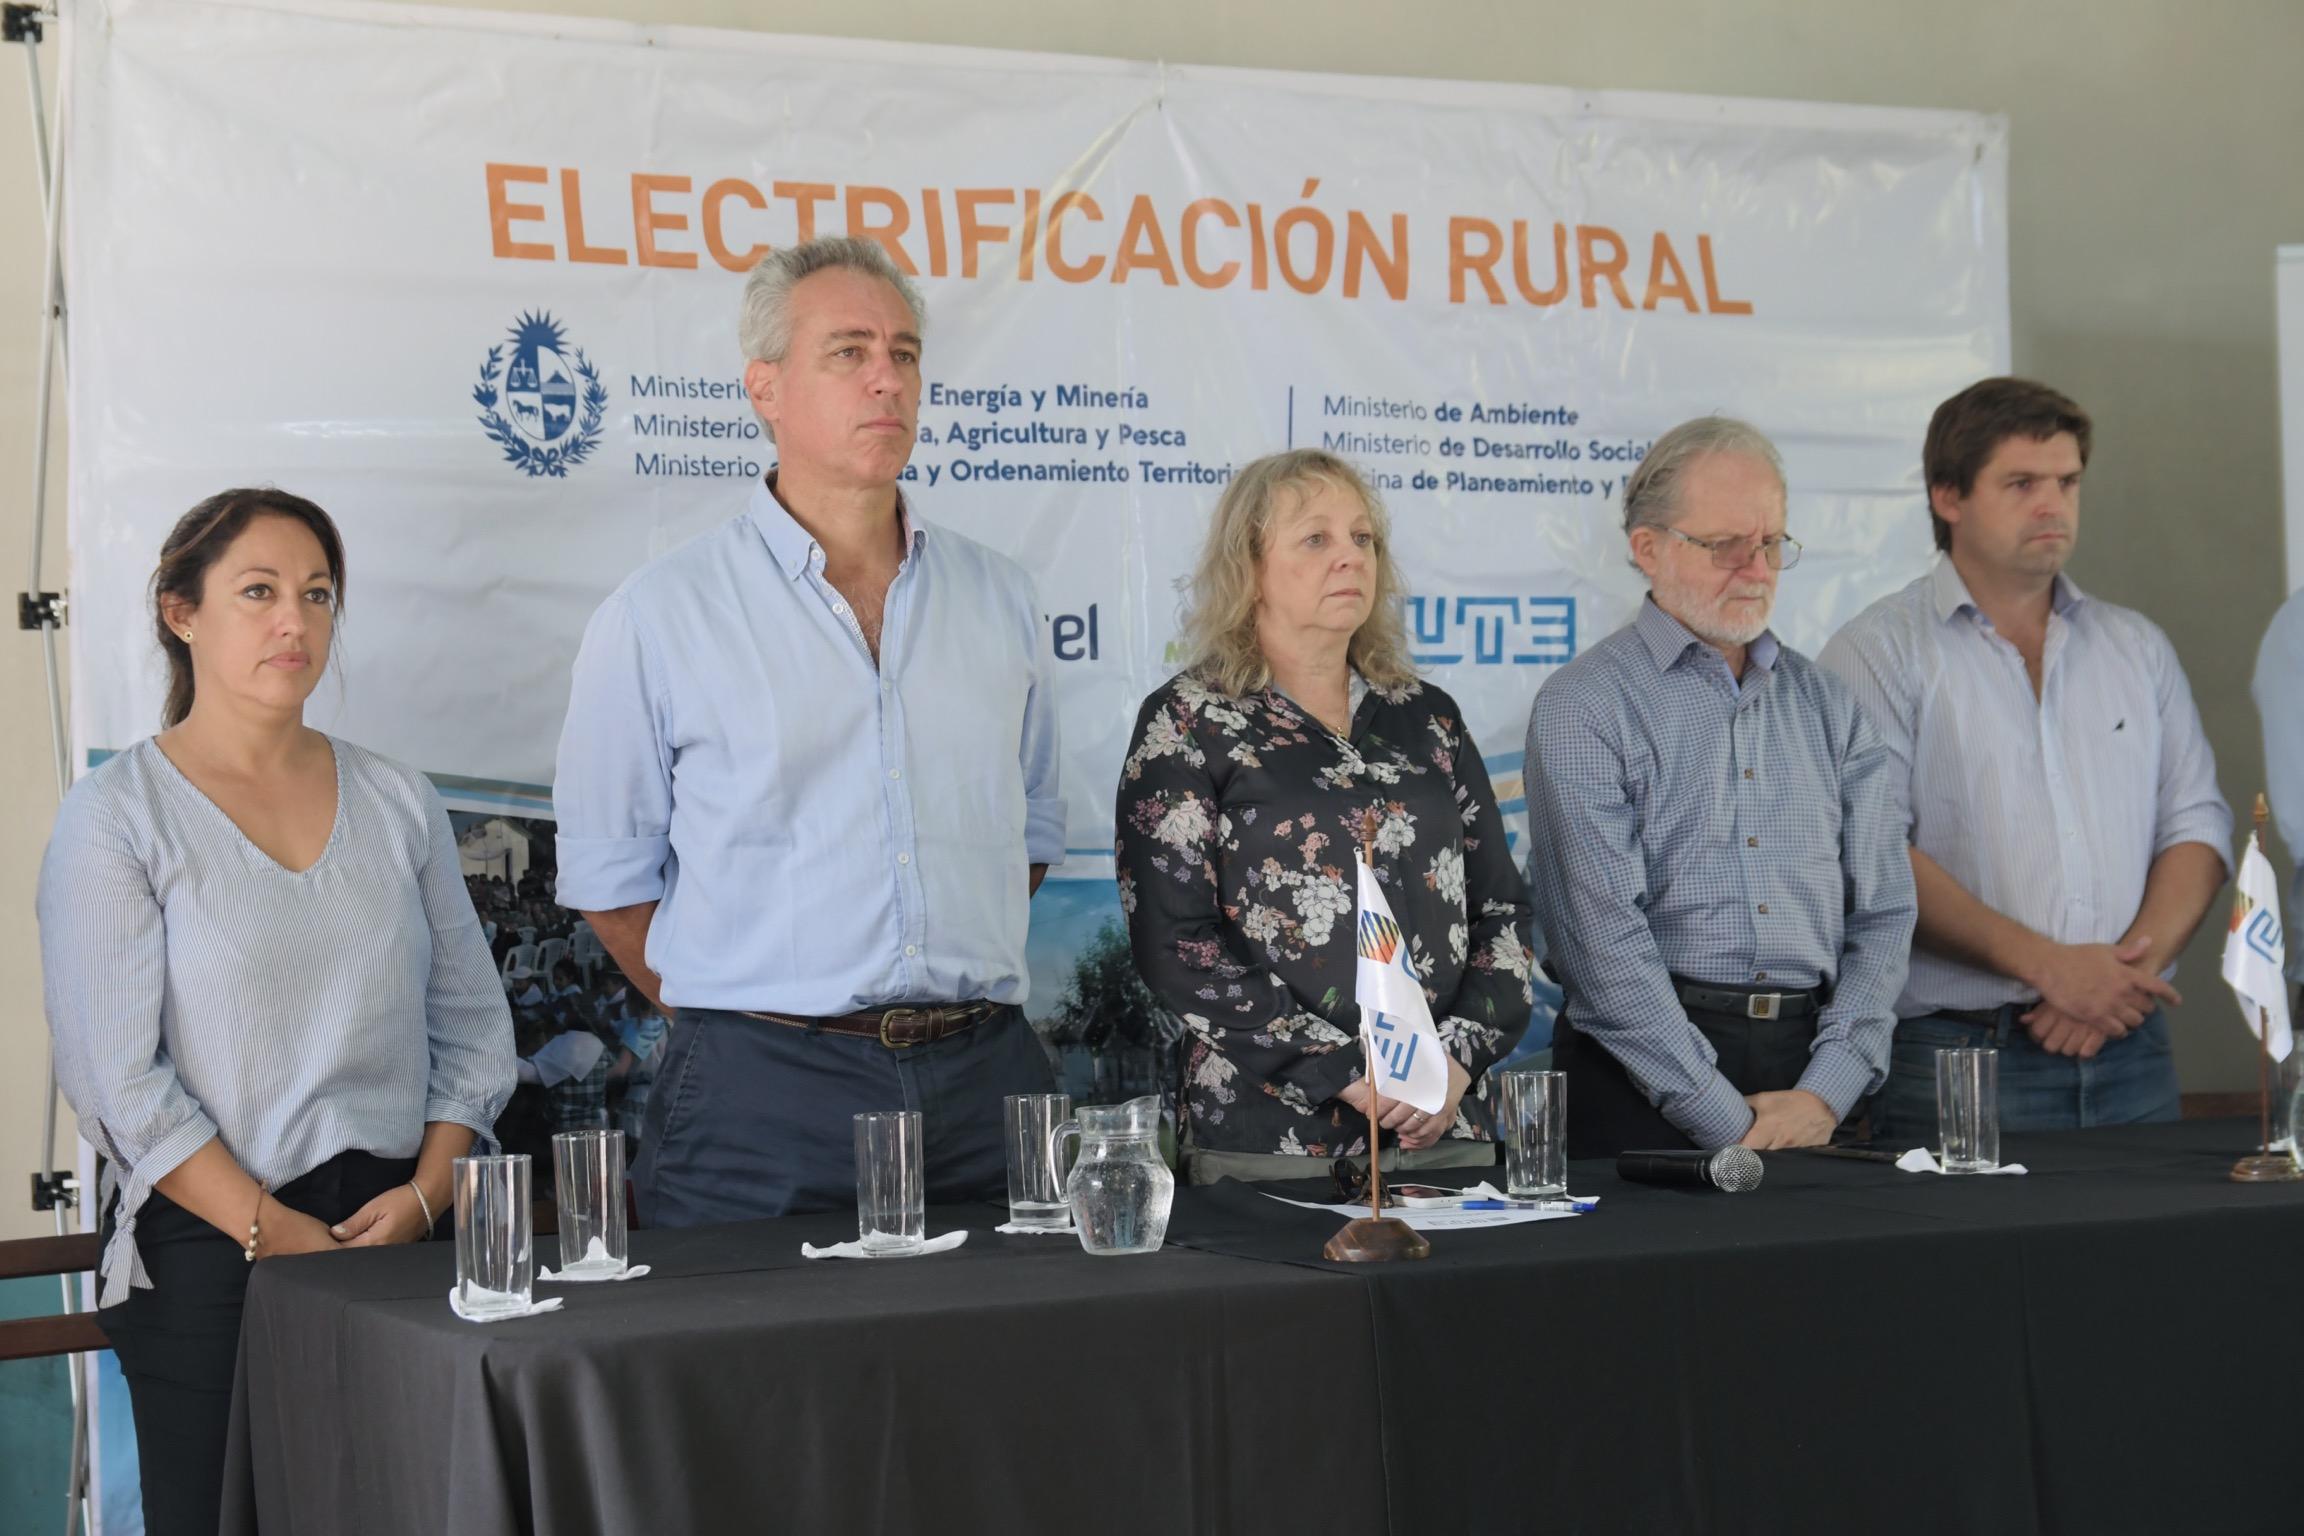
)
(1120, 1191)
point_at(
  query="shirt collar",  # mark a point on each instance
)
(793, 545)
(1668, 639)
(1951, 594)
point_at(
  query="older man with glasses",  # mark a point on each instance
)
(1716, 847)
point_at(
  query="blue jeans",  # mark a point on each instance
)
(2131, 1081)
(751, 1118)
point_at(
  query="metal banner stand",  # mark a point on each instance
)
(54, 1189)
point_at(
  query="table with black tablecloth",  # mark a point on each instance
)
(2105, 1345)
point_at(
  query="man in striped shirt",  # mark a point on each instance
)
(1716, 857)
(2066, 830)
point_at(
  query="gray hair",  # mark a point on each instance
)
(1652, 492)
(764, 327)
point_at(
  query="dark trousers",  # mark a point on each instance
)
(1607, 1111)
(751, 1118)
(179, 1341)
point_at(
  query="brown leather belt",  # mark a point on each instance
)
(895, 1028)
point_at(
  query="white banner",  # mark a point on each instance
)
(470, 282)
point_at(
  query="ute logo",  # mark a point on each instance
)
(543, 409)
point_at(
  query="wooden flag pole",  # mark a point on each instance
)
(1375, 1131)
(2265, 1166)
(1374, 1238)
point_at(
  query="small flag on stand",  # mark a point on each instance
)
(2256, 953)
(1405, 1053)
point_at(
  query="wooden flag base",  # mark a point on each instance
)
(1376, 1240)
(2255, 1169)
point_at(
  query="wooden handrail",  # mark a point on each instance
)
(30, 1338)
(25, 1257)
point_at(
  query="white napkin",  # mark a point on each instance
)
(1014, 1230)
(596, 1249)
(1487, 1191)
(1921, 1160)
(456, 1304)
(855, 1250)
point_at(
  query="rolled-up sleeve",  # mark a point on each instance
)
(467, 1022)
(1039, 753)
(104, 964)
(612, 785)
(2191, 809)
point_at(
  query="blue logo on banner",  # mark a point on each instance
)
(544, 407)
(2263, 935)
(1395, 1049)
(1492, 631)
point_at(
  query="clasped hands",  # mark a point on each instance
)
(2091, 994)
(1415, 1129)
(395, 1216)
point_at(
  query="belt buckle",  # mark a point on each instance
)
(1763, 1005)
(890, 1015)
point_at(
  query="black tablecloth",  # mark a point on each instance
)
(2103, 1346)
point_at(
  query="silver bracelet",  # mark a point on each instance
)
(426, 1204)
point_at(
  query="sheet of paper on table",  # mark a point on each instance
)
(1436, 1219)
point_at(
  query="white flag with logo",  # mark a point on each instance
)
(1404, 1049)
(2256, 951)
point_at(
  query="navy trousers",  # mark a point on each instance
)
(751, 1118)
(179, 1341)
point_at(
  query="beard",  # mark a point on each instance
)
(1709, 616)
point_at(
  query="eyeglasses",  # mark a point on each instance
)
(1780, 550)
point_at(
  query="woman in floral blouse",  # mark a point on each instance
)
(1298, 730)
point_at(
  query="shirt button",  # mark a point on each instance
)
(903, 858)
(895, 773)
(1751, 842)
(1747, 773)
(839, 607)
(911, 949)
(1759, 975)
(1763, 909)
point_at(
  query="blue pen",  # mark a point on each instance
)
(1580, 1207)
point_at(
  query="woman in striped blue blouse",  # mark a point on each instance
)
(272, 1006)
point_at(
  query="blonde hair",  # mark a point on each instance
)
(1220, 623)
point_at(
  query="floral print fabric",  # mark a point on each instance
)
(1237, 820)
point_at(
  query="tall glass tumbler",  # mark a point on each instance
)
(1035, 1178)
(1968, 1109)
(495, 1236)
(1532, 1122)
(891, 1182)
(588, 1184)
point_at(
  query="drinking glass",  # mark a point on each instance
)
(891, 1200)
(1532, 1122)
(495, 1235)
(1968, 1109)
(588, 1183)
(1035, 1179)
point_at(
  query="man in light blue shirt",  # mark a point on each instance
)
(2066, 830)
(1715, 855)
(808, 783)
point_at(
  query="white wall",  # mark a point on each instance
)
(2153, 172)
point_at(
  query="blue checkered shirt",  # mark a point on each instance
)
(1749, 835)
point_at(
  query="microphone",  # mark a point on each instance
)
(1731, 1170)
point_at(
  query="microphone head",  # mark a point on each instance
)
(1734, 1170)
